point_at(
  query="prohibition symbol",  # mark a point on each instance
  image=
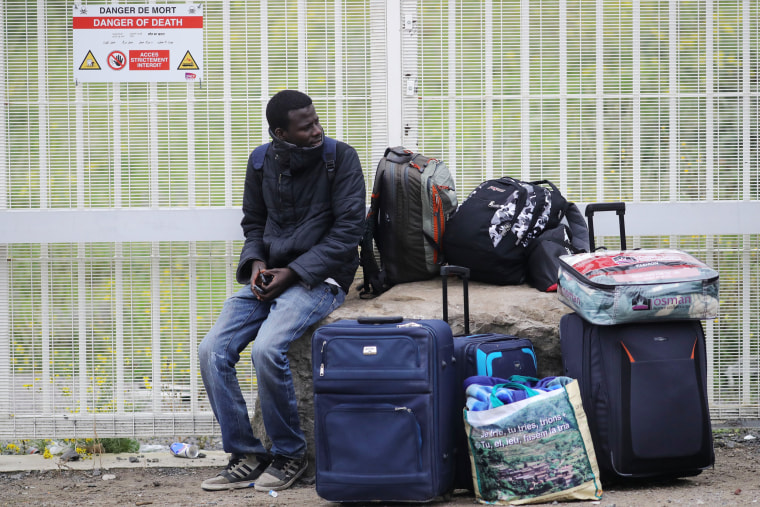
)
(188, 63)
(89, 62)
(117, 60)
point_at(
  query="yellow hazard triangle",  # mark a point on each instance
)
(188, 63)
(89, 62)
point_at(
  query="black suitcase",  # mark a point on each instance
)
(383, 411)
(489, 354)
(644, 388)
(644, 391)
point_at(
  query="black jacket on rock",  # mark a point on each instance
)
(295, 216)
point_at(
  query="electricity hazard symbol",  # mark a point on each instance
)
(117, 60)
(89, 62)
(188, 63)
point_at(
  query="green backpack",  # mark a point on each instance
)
(412, 197)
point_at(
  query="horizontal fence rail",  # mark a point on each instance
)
(214, 224)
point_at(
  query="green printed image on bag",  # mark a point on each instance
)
(535, 450)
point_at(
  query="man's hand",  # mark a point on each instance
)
(281, 279)
(256, 269)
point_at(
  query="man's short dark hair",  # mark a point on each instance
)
(281, 104)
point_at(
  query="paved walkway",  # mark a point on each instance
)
(18, 463)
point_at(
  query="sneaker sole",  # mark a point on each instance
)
(229, 485)
(280, 487)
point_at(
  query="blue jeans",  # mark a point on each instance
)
(272, 327)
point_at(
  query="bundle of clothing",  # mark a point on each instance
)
(485, 393)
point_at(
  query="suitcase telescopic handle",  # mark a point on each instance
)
(617, 207)
(380, 319)
(463, 274)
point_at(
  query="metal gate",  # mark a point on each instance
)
(119, 202)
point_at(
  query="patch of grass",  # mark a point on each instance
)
(119, 445)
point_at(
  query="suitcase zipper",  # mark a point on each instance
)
(581, 278)
(324, 344)
(322, 357)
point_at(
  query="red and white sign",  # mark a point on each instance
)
(117, 60)
(142, 43)
(157, 59)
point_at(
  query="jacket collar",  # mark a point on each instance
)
(292, 158)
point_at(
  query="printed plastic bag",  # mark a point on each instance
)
(534, 450)
(615, 287)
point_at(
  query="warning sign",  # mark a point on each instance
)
(117, 60)
(89, 62)
(149, 60)
(144, 43)
(188, 63)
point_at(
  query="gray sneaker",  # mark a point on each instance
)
(241, 472)
(281, 474)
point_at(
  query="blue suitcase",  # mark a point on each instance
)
(489, 354)
(383, 410)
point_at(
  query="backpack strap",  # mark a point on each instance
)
(578, 227)
(374, 278)
(259, 154)
(328, 155)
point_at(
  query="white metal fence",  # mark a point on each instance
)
(119, 203)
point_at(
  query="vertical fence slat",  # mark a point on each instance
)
(81, 320)
(673, 84)
(264, 58)
(115, 132)
(227, 101)
(193, 325)
(5, 330)
(745, 315)
(5, 318)
(599, 95)
(153, 145)
(488, 99)
(451, 88)
(303, 63)
(525, 172)
(45, 311)
(746, 86)
(118, 309)
(4, 141)
(410, 63)
(709, 102)
(563, 161)
(155, 327)
(636, 88)
(42, 103)
(340, 92)
(386, 80)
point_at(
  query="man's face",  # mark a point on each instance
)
(304, 129)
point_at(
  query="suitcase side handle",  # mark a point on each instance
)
(463, 274)
(617, 207)
(380, 319)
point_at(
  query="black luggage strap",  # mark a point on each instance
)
(463, 274)
(374, 279)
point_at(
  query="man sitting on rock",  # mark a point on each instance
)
(303, 217)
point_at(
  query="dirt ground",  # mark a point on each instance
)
(733, 481)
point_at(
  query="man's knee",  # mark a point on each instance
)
(264, 356)
(207, 353)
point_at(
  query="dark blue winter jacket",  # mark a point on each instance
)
(295, 216)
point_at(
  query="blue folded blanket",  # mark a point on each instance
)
(484, 393)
